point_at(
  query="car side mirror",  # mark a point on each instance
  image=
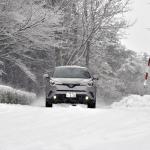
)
(95, 77)
(46, 76)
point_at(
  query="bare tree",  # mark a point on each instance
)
(97, 16)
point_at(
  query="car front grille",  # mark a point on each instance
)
(61, 98)
(71, 85)
(71, 91)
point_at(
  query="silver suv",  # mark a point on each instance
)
(71, 84)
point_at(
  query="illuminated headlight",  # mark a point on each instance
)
(90, 83)
(86, 98)
(55, 97)
(52, 82)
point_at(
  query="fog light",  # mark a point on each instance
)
(54, 97)
(86, 98)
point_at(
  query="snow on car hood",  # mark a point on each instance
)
(71, 80)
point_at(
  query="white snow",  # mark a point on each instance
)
(20, 94)
(76, 128)
(4, 88)
(134, 101)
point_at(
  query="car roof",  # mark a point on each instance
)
(73, 66)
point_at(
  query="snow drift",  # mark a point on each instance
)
(11, 95)
(133, 101)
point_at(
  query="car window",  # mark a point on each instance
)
(71, 73)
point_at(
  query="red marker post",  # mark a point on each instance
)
(147, 73)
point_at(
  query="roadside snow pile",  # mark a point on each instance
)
(133, 101)
(14, 96)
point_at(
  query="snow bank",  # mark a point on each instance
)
(11, 95)
(133, 101)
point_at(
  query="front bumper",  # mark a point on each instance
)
(61, 98)
(60, 91)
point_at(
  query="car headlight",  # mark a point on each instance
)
(52, 82)
(90, 83)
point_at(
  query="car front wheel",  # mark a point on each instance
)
(48, 103)
(91, 104)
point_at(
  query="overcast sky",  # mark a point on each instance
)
(138, 36)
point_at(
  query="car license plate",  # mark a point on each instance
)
(71, 95)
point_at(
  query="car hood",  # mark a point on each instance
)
(71, 80)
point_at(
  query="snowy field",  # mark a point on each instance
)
(123, 126)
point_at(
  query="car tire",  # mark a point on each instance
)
(48, 103)
(91, 104)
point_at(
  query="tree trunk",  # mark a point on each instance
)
(87, 46)
(58, 57)
(87, 53)
(75, 25)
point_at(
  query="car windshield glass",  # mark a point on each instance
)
(71, 73)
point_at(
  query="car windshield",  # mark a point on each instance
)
(67, 72)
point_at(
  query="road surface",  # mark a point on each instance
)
(118, 127)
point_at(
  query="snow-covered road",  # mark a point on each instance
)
(76, 128)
